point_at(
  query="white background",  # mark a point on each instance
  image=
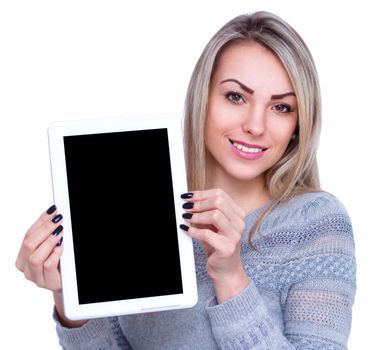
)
(84, 59)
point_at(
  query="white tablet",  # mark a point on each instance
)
(117, 183)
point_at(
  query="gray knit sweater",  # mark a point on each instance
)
(300, 296)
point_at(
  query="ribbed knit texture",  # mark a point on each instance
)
(300, 297)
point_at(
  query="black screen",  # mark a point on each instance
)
(123, 218)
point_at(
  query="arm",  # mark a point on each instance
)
(238, 316)
(218, 223)
(317, 306)
(318, 270)
(318, 299)
(244, 322)
(38, 259)
(100, 333)
(59, 308)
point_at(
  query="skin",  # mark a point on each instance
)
(251, 101)
(253, 116)
(39, 258)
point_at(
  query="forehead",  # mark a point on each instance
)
(254, 64)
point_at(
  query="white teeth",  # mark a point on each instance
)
(247, 149)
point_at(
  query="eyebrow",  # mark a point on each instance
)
(250, 91)
(278, 97)
(244, 87)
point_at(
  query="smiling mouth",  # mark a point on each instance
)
(247, 149)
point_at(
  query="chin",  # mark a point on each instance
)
(245, 176)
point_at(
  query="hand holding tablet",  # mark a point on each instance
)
(117, 183)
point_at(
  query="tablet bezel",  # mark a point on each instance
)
(56, 133)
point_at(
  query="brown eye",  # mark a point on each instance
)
(283, 108)
(235, 97)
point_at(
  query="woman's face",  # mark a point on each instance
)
(252, 113)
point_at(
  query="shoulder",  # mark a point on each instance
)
(308, 218)
(305, 209)
(307, 237)
(311, 206)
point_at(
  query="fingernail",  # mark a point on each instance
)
(184, 227)
(57, 218)
(187, 215)
(188, 205)
(51, 209)
(58, 244)
(57, 230)
(187, 195)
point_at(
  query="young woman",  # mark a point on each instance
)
(274, 254)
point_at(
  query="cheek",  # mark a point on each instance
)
(282, 132)
(211, 130)
(221, 117)
(216, 121)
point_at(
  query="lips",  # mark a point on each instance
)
(246, 147)
(247, 151)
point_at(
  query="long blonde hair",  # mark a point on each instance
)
(296, 172)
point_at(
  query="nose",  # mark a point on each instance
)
(255, 121)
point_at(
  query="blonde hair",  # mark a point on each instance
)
(296, 172)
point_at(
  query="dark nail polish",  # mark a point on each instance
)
(58, 244)
(57, 230)
(187, 195)
(187, 215)
(188, 205)
(51, 209)
(57, 218)
(184, 227)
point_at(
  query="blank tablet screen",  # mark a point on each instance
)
(123, 217)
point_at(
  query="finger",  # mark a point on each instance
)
(216, 200)
(29, 245)
(36, 238)
(46, 216)
(42, 253)
(203, 202)
(221, 197)
(37, 260)
(221, 245)
(214, 218)
(51, 270)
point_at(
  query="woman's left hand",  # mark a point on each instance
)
(218, 223)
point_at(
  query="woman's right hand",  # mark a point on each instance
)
(41, 250)
(39, 258)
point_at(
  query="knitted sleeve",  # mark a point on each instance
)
(102, 333)
(314, 283)
(318, 281)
